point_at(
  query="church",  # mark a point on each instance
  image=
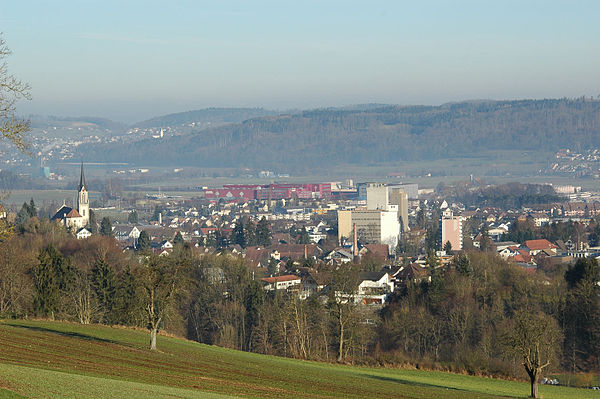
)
(76, 218)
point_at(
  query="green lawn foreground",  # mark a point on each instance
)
(42, 359)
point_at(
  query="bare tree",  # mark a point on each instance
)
(82, 298)
(535, 338)
(342, 303)
(159, 278)
(11, 91)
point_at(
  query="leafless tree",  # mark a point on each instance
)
(159, 278)
(11, 91)
(534, 338)
(342, 304)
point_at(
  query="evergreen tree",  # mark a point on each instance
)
(462, 264)
(254, 303)
(132, 217)
(178, 240)
(157, 212)
(127, 299)
(421, 219)
(303, 238)
(93, 224)
(104, 282)
(486, 241)
(144, 242)
(210, 240)
(239, 235)
(24, 214)
(448, 247)
(582, 313)
(106, 227)
(51, 275)
(272, 266)
(250, 233)
(31, 209)
(263, 234)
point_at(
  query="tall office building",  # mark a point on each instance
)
(399, 198)
(452, 230)
(377, 226)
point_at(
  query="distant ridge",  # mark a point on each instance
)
(215, 116)
(42, 121)
(362, 135)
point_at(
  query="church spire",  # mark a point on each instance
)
(82, 178)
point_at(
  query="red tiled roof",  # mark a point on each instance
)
(521, 258)
(379, 250)
(536, 245)
(73, 214)
(207, 230)
(256, 254)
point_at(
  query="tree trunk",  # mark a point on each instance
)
(533, 376)
(341, 346)
(153, 333)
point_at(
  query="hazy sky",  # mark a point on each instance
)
(130, 60)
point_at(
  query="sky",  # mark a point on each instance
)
(130, 60)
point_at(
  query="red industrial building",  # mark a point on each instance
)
(273, 191)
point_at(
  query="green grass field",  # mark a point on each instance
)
(41, 359)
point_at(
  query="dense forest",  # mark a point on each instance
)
(327, 137)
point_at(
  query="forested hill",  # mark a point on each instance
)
(327, 137)
(216, 116)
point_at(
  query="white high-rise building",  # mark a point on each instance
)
(377, 196)
(377, 227)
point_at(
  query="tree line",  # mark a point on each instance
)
(458, 317)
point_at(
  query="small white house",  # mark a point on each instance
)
(83, 233)
(374, 288)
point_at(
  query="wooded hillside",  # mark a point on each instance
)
(327, 137)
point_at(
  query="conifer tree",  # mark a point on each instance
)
(239, 235)
(178, 240)
(50, 276)
(106, 227)
(144, 242)
(304, 238)
(263, 234)
(104, 282)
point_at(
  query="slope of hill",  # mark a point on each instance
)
(87, 122)
(214, 116)
(42, 359)
(372, 135)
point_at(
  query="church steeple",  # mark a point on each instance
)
(81, 179)
(83, 202)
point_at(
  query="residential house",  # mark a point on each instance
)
(83, 233)
(536, 246)
(281, 282)
(339, 256)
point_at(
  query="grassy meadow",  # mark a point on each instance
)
(43, 359)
